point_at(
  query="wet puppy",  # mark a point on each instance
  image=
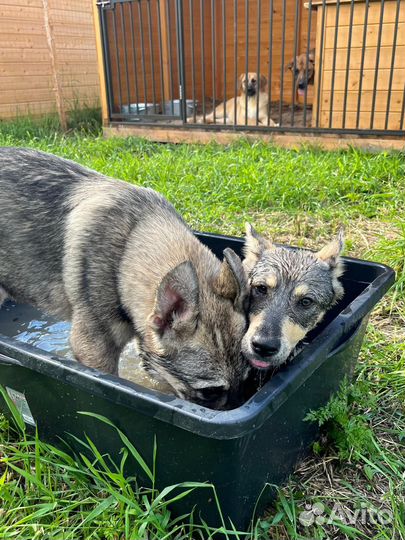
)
(120, 263)
(291, 290)
(251, 106)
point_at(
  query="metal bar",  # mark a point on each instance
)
(246, 57)
(180, 59)
(107, 60)
(152, 59)
(162, 84)
(319, 68)
(213, 57)
(363, 52)
(124, 36)
(332, 87)
(117, 58)
(280, 112)
(129, 119)
(224, 52)
(143, 56)
(134, 61)
(349, 48)
(307, 60)
(402, 111)
(191, 9)
(295, 58)
(284, 129)
(269, 78)
(169, 26)
(202, 58)
(235, 60)
(394, 46)
(259, 11)
(377, 63)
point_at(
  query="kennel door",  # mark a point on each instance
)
(140, 45)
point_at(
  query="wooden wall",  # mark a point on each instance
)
(131, 83)
(27, 82)
(263, 53)
(354, 72)
(142, 43)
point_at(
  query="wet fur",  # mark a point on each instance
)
(280, 278)
(119, 262)
(245, 85)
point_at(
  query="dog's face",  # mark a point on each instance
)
(252, 85)
(303, 76)
(291, 290)
(193, 340)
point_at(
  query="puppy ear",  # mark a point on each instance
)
(290, 66)
(255, 245)
(263, 82)
(331, 252)
(241, 78)
(177, 300)
(232, 281)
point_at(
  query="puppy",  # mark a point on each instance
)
(303, 73)
(291, 290)
(253, 91)
(119, 262)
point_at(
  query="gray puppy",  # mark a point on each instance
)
(119, 262)
(291, 290)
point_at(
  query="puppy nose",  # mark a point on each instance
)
(301, 86)
(266, 347)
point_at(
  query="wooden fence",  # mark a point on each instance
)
(48, 60)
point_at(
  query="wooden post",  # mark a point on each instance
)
(57, 87)
(100, 62)
(318, 75)
(165, 47)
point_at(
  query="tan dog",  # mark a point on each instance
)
(252, 91)
(303, 76)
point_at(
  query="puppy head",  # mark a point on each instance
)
(194, 333)
(252, 84)
(303, 76)
(291, 290)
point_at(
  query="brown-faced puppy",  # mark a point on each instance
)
(291, 290)
(120, 263)
(252, 104)
(303, 72)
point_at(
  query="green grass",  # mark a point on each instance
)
(298, 197)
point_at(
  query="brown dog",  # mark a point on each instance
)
(303, 75)
(250, 106)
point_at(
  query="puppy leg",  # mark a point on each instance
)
(220, 114)
(93, 345)
(263, 122)
(209, 118)
(3, 295)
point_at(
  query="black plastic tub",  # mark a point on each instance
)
(239, 451)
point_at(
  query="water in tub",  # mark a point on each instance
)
(27, 324)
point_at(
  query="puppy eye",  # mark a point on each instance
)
(253, 80)
(260, 289)
(297, 71)
(306, 302)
